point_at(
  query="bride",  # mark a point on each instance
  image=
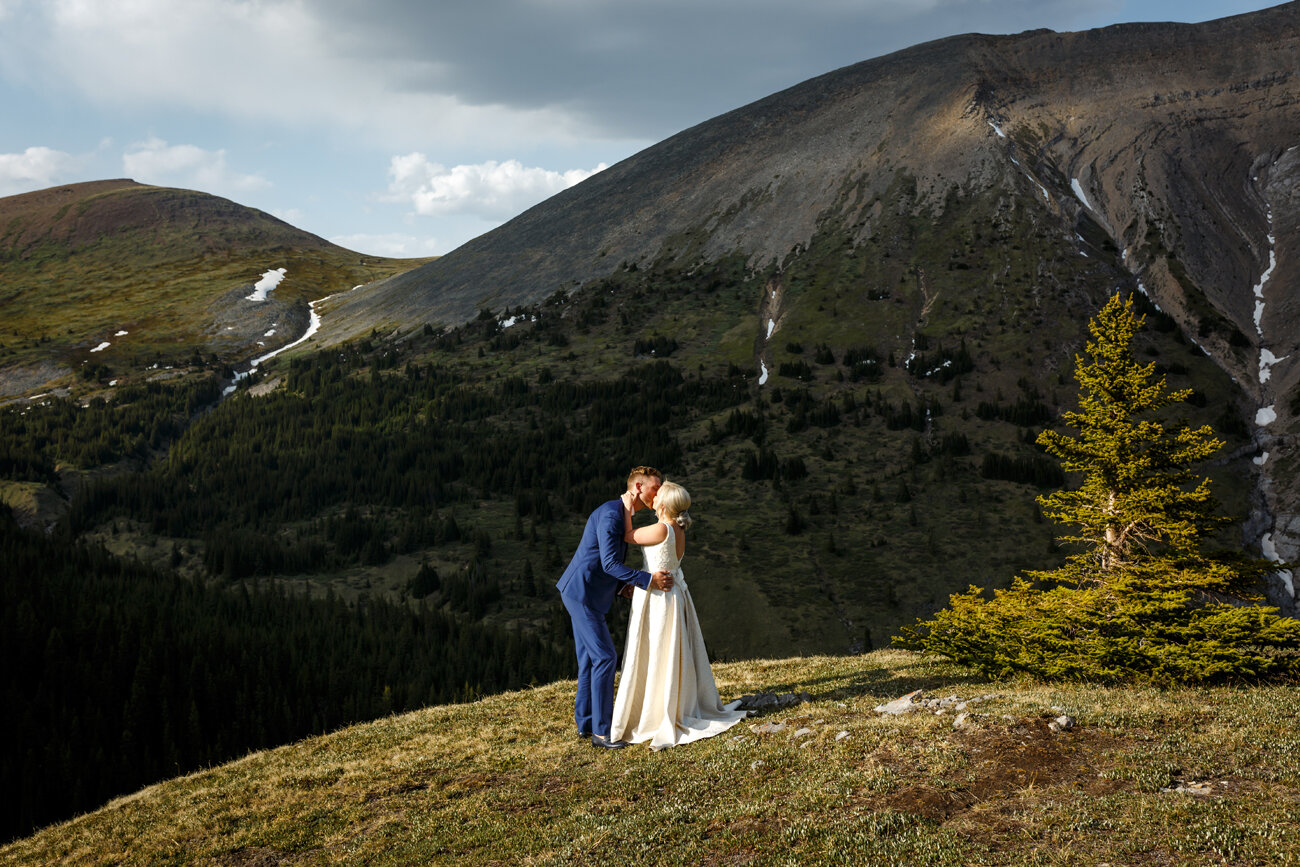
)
(666, 694)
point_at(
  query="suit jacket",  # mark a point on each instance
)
(596, 572)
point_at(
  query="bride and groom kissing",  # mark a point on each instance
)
(666, 695)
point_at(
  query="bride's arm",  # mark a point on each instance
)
(649, 535)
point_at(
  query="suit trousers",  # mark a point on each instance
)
(597, 658)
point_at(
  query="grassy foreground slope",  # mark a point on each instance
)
(1146, 776)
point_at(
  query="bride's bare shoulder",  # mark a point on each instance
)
(651, 534)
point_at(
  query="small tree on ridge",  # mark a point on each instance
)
(1143, 597)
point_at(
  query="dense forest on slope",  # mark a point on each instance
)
(412, 442)
(117, 675)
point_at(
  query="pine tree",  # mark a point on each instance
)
(1134, 507)
(1143, 597)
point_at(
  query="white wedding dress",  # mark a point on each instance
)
(666, 693)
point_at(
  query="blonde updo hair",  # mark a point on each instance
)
(671, 504)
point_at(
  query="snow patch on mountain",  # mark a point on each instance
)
(1078, 192)
(270, 279)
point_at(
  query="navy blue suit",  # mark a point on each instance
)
(588, 587)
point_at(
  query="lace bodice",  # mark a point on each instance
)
(663, 557)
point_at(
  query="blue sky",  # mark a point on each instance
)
(407, 127)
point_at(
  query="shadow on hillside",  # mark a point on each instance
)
(880, 683)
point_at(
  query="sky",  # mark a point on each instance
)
(407, 127)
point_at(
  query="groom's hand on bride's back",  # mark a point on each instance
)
(662, 581)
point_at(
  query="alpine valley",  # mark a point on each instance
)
(839, 316)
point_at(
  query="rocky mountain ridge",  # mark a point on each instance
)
(1164, 151)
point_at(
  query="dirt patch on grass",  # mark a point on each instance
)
(1008, 760)
(757, 826)
(306, 782)
(255, 856)
(746, 834)
(475, 781)
(405, 787)
(557, 785)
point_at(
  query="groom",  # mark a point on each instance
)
(588, 586)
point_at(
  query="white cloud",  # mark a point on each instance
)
(417, 75)
(292, 216)
(488, 190)
(284, 62)
(393, 245)
(156, 162)
(34, 169)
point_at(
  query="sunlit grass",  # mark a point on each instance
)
(504, 780)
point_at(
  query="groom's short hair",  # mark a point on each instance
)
(643, 473)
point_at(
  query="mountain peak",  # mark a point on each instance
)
(761, 179)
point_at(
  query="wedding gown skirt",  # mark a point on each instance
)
(666, 693)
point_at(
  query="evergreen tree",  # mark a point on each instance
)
(1143, 597)
(1134, 506)
(425, 582)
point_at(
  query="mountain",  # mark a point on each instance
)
(1163, 152)
(1141, 775)
(110, 278)
(840, 316)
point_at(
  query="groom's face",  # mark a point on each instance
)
(649, 490)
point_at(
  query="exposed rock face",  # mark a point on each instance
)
(1169, 145)
(1181, 141)
(22, 378)
(237, 321)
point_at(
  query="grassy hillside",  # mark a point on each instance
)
(1180, 777)
(81, 263)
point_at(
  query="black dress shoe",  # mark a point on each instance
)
(584, 735)
(606, 743)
